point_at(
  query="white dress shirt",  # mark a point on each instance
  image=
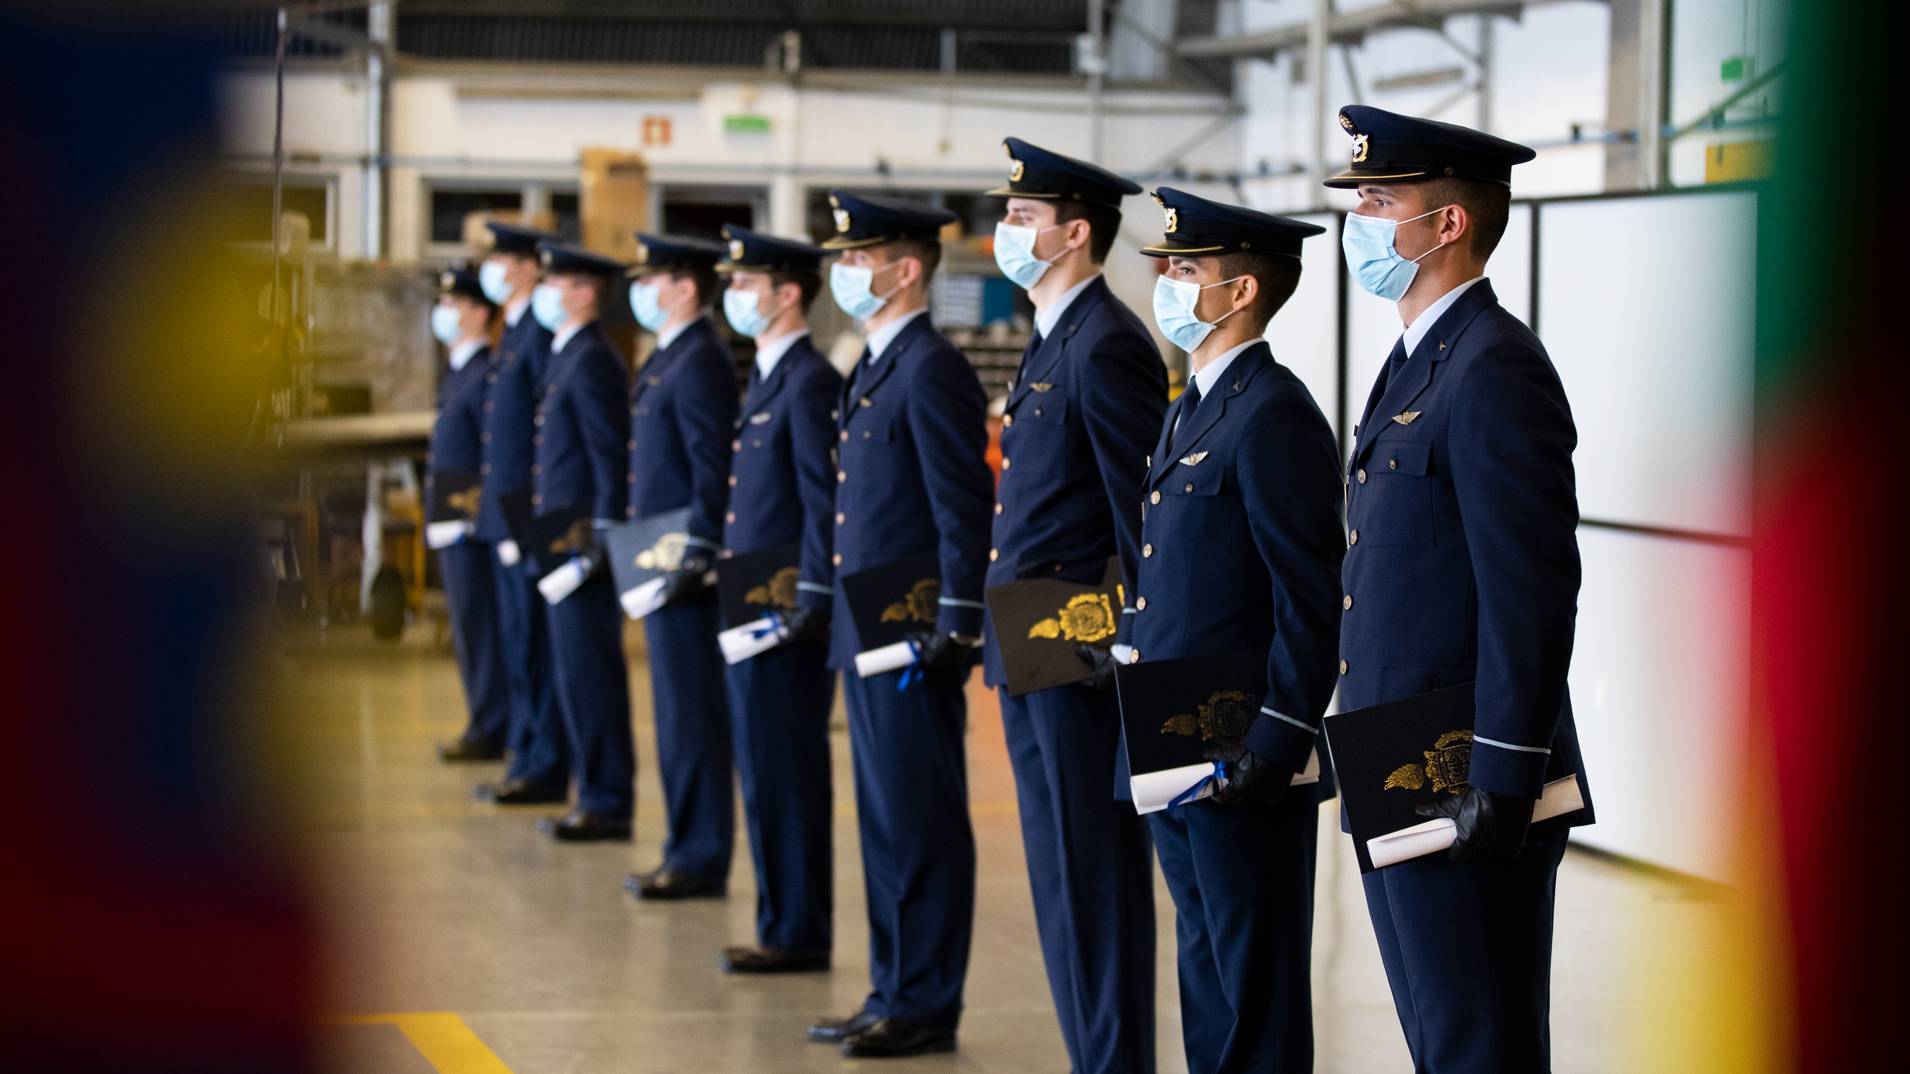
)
(461, 352)
(769, 352)
(668, 335)
(564, 335)
(1430, 316)
(880, 339)
(1207, 377)
(514, 312)
(1045, 320)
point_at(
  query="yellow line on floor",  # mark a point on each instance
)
(441, 1037)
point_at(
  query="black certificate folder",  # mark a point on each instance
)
(1174, 711)
(888, 603)
(1039, 621)
(642, 555)
(456, 495)
(750, 585)
(1395, 757)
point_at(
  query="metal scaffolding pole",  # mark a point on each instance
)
(1316, 43)
(378, 20)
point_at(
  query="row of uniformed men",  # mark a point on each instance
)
(1443, 553)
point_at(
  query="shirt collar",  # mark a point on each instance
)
(461, 353)
(565, 335)
(1210, 374)
(514, 311)
(769, 352)
(1045, 320)
(1430, 316)
(880, 339)
(669, 335)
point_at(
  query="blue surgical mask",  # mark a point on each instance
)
(547, 305)
(1174, 302)
(491, 279)
(444, 324)
(740, 309)
(851, 287)
(647, 304)
(1015, 254)
(1374, 260)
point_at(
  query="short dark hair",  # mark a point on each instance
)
(927, 251)
(703, 276)
(1104, 224)
(1488, 206)
(809, 283)
(1277, 274)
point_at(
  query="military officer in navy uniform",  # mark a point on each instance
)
(1084, 408)
(1241, 549)
(582, 431)
(682, 413)
(1462, 567)
(539, 768)
(461, 320)
(783, 491)
(911, 476)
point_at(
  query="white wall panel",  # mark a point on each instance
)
(1660, 686)
(1646, 305)
(1305, 333)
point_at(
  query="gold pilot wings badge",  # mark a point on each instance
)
(1193, 459)
(1407, 418)
(758, 419)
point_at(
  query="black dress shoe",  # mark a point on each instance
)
(633, 882)
(581, 827)
(835, 1032)
(520, 792)
(667, 883)
(468, 749)
(892, 1038)
(773, 960)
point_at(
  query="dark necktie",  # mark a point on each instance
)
(1396, 361)
(1027, 355)
(1189, 406)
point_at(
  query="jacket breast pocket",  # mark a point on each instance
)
(1397, 502)
(1199, 506)
(1043, 408)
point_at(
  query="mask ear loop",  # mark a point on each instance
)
(1231, 312)
(1428, 253)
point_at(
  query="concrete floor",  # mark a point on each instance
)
(464, 942)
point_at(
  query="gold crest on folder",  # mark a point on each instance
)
(1088, 617)
(778, 592)
(665, 555)
(466, 501)
(1224, 717)
(919, 605)
(1445, 766)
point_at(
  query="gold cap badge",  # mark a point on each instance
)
(736, 250)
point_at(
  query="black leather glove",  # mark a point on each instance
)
(1100, 666)
(806, 626)
(1252, 780)
(942, 652)
(1491, 827)
(686, 582)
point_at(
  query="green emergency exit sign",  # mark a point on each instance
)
(746, 123)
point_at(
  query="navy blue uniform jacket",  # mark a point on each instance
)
(782, 486)
(912, 475)
(457, 433)
(682, 413)
(516, 379)
(583, 430)
(1241, 547)
(1080, 417)
(1462, 515)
